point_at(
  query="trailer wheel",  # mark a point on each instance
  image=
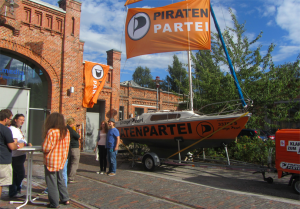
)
(270, 180)
(296, 185)
(148, 163)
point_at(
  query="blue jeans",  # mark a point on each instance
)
(65, 173)
(18, 175)
(112, 159)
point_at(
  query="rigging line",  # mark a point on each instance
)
(226, 27)
(126, 10)
(244, 91)
(223, 16)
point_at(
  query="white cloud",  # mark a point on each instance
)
(269, 10)
(288, 19)
(286, 52)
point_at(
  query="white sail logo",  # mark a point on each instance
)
(138, 26)
(97, 72)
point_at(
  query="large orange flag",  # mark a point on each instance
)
(95, 75)
(176, 27)
(131, 2)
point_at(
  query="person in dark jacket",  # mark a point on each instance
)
(74, 152)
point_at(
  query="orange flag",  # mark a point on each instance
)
(95, 75)
(181, 26)
(131, 2)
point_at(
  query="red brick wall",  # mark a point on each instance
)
(50, 39)
(44, 36)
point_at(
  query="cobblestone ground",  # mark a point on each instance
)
(167, 187)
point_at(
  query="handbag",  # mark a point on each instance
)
(96, 154)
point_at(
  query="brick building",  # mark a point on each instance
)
(40, 42)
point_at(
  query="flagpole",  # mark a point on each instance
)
(190, 70)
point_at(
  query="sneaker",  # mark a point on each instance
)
(18, 195)
(71, 182)
(98, 172)
(111, 174)
(102, 172)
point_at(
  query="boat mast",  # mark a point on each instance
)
(190, 81)
(236, 82)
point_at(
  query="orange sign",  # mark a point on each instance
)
(131, 2)
(95, 75)
(176, 27)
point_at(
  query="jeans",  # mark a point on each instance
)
(102, 152)
(112, 159)
(18, 174)
(65, 173)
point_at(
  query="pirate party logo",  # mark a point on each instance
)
(204, 129)
(138, 26)
(97, 72)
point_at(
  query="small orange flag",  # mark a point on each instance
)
(95, 75)
(131, 2)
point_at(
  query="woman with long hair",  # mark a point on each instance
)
(18, 157)
(101, 142)
(56, 148)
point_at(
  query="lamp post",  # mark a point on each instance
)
(157, 80)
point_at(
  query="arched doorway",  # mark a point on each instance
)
(19, 72)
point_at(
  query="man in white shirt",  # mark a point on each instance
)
(18, 157)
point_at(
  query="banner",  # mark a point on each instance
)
(181, 26)
(131, 2)
(95, 75)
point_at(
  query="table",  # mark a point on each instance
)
(30, 151)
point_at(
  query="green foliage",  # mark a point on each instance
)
(262, 82)
(246, 150)
(177, 80)
(143, 77)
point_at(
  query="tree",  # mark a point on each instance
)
(177, 80)
(261, 81)
(143, 77)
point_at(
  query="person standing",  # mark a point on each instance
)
(74, 152)
(7, 144)
(112, 146)
(102, 151)
(56, 149)
(18, 157)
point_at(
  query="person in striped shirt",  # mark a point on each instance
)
(55, 149)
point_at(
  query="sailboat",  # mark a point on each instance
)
(166, 132)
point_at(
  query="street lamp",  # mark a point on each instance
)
(157, 80)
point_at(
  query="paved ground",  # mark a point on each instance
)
(167, 187)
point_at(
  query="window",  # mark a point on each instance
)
(27, 14)
(138, 111)
(108, 78)
(49, 21)
(121, 113)
(73, 26)
(38, 18)
(164, 117)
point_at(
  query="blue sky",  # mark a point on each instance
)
(103, 21)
